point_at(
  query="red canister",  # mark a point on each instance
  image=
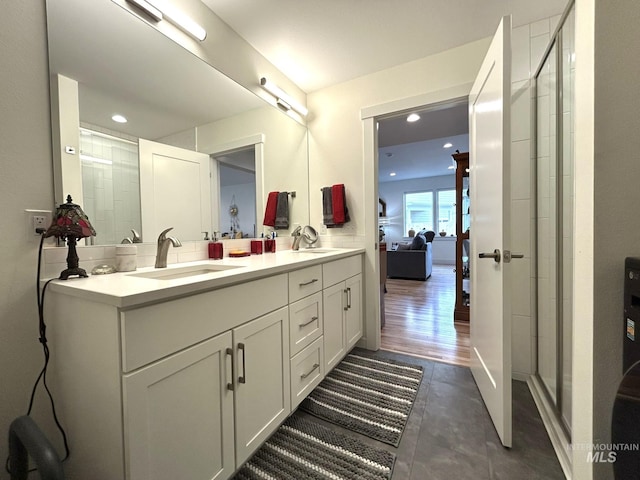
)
(215, 250)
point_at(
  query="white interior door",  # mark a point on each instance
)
(171, 177)
(489, 127)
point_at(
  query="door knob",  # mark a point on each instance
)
(495, 255)
(508, 255)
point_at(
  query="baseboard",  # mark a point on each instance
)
(556, 432)
(521, 377)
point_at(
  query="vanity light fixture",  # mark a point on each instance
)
(183, 21)
(149, 9)
(282, 98)
(173, 14)
(414, 117)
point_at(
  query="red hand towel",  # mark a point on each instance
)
(270, 211)
(338, 198)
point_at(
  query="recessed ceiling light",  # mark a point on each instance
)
(392, 174)
(414, 117)
(447, 145)
(451, 167)
(119, 118)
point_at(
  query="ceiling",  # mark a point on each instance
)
(318, 44)
(322, 43)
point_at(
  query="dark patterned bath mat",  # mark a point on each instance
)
(369, 395)
(302, 449)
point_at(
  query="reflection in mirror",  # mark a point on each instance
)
(237, 174)
(170, 96)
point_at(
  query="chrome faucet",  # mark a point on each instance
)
(163, 248)
(135, 239)
(296, 238)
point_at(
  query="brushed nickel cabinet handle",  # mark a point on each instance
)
(305, 375)
(233, 369)
(303, 284)
(243, 377)
(313, 319)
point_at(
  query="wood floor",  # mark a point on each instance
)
(419, 319)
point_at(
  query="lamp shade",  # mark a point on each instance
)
(70, 221)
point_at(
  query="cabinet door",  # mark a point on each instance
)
(179, 415)
(262, 386)
(353, 313)
(333, 299)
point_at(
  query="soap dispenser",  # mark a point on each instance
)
(215, 247)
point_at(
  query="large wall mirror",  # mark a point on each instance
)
(195, 142)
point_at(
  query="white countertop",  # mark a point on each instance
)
(128, 290)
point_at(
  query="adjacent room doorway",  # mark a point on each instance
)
(416, 180)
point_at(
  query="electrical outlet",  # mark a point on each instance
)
(36, 219)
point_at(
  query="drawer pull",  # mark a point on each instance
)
(303, 284)
(233, 370)
(243, 377)
(313, 319)
(305, 375)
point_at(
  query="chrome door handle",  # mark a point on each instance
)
(495, 255)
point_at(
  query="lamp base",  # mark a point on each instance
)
(81, 272)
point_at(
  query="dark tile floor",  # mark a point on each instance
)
(449, 434)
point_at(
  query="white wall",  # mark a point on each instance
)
(335, 139)
(339, 141)
(616, 197)
(26, 181)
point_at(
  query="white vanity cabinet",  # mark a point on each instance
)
(180, 411)
(262, 391)
(342, 304)
(179, 415)
(187, 382)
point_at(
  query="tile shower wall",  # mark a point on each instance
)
(528, 45)
(111, 185)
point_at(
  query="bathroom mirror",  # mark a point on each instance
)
(104, 60)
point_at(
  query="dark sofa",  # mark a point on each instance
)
(414, 262)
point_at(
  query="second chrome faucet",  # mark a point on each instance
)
(163, 247)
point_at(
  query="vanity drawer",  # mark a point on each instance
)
(304, 282)
(307, 371)
(305, 322)
(339, 270)
(158, 330)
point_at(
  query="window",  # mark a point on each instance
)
(447, 211)
(418, 211)
(421, 213)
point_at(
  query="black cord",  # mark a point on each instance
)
(42, 330)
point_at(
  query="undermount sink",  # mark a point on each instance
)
(314, 250)
(183, 272)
